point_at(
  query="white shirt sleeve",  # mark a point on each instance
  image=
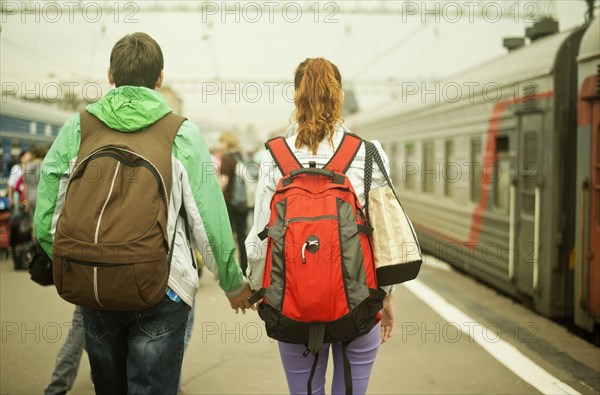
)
(256, 248)
(15, 174)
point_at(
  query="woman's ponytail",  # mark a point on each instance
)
(319, 102)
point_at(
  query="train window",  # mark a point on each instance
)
(502, 174)
(450, 172)
(409, 167)
(530, 171)
(475, 169)
(428, 170)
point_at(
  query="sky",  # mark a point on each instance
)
(233, 70)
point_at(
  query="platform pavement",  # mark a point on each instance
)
(230, 354)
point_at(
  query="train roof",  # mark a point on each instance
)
(524, 64)
(589, 48)
(30, 111)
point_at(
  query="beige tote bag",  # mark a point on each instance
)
(396, 247)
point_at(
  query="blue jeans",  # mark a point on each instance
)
(188, 334)
(137, 352)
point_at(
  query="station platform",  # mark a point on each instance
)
(453, 335)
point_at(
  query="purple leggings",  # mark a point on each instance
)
(361, 354)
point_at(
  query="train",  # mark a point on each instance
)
(502, 179)
(24, 124)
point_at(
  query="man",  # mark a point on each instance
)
(140, 352)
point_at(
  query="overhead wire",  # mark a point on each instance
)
(392, 48)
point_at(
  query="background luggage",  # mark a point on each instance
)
(23, 255)
(4, 233)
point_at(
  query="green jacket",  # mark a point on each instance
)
(128, 109)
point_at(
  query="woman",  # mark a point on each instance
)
(314, 138)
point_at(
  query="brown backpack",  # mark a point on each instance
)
(111, 247)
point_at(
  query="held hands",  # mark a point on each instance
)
(240, 301)
(387, 319)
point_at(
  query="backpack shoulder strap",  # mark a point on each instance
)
(344, 155)
(88, 124)
(170, 125)
(283, 155)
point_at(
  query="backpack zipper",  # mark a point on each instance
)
(67, 264)
(105, 151)
(308, 219)
(153, 170)
(146, 164)
(110, 191)
(287, 222)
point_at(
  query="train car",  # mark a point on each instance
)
(485, 166)
(587, 240)
(24, 124)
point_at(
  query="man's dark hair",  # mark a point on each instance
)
(136, 60)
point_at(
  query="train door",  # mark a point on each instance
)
(528, 196)
(594, 237)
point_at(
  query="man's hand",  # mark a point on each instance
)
(240, 302)
(387, 319)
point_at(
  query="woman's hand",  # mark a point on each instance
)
(240, 301)
(387, 319)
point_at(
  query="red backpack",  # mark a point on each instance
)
(319, 283)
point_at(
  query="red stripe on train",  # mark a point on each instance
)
(584, 108)
(490, 157)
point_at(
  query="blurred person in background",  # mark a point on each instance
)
(31, 177)
(252, 174)
(15, 175)
(216, 155)
(233, 185)
(68, 358)
(259, 155)
(20, 220)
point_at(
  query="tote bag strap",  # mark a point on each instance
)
(372, 155)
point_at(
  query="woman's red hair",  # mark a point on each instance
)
(319, 102)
